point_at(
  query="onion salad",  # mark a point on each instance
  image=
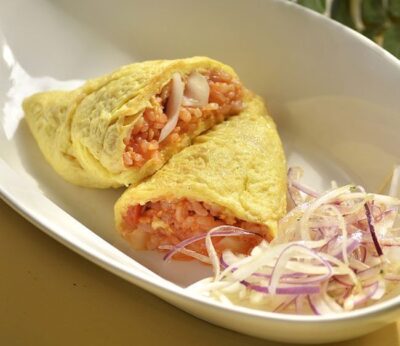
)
(334, 252)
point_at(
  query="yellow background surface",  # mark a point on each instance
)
(51, 296)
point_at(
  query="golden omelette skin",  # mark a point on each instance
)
(81, 132)
(238, 164)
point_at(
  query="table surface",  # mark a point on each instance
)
(51, 296)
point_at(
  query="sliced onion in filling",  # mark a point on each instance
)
(197, 91)
(180, 106)
(173, 106)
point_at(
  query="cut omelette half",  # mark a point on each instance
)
(117, 129)
(235, 174)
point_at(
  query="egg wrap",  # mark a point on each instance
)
(81, 132)
(238, 165)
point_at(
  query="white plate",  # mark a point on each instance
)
(334, 94)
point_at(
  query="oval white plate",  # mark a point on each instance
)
(334, 94)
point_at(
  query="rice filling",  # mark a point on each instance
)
(159, 223)
(221, 99)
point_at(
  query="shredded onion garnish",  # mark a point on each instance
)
(334, 252)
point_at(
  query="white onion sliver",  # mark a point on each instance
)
(187, 252)
(213, 255)
(284, 258)
(173, 106)
(320, 305)
(197, 91)
(326, 198)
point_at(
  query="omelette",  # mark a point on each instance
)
(234, 174)
(120, 128)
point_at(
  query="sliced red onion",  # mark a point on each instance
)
(380, 291)
(357, 265)
(347, 292)
(285, 304)
(367, 294)
(294, 196)
(328, 246)
(341, 280)
(221, 231)
(305, 189)
(312, 306)
(363, 253)
(285, 256)
(288, 278)
(291, 200)
(384, 242)
(296, 278)
(377, 213)
(319, 232)
(224, 264)
(284, 276)
(290, 290)
(197, 91)
(173, 106)
(305, 280)
(392, 277)
(262, 275)
(372, 230)
(319, 305)
(189, 253)
(299, 302)
(294, 174)
(370, 273)
(327, 231)
(352, 244)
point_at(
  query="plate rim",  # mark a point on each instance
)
(144, 280)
